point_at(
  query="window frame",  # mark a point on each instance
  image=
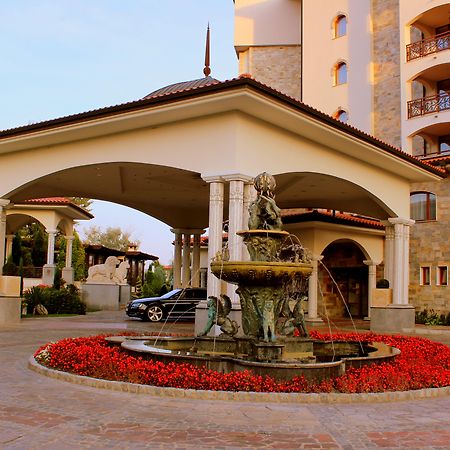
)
(429, 217)
(440, 269)
(425, 275)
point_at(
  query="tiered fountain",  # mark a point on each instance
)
(271, 287)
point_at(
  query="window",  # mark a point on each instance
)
(341, 115)
(425, 272)
(340, 73)
(444, 144)
(423, 206)
(442, 276)
(340, 26)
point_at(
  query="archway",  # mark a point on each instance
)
(348, 275)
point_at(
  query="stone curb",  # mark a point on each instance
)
(266, 397)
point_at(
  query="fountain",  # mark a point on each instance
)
(271, 287)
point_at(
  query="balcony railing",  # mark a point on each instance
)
(427, 46)
(428, 105)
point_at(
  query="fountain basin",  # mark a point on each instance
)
(259, 272)
(310, 358)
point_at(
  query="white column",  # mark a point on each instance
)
(9, 245)
(216, 192)
(249, 196)
(235, 218)
(177, 259)
(186, 264)
(400, 271)
(371, 282)
(196, 260)
(51, 247)
(389, 252)
(68, 272)
(69, 246)
(3, 204)
(312, 290)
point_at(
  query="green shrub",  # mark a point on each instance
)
(66, 300)
(431, 317)
(10, 268)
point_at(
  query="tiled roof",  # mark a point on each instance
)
(192, 88)
(183, 86)
(57, 201)
(293, 216)
(53, 200)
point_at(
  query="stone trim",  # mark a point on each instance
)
(237, 396)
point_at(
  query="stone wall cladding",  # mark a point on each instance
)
(386, 62)
(278, 67)
(430, 245)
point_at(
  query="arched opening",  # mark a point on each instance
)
(344, 261)
(341, 115)
(340, 73)
(340, 26)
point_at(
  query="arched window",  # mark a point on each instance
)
(341, 115)
(340, 26)
(423, 206)
(340, 73)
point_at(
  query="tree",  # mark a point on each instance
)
(85, 203)
(155, 280)
(112, 237)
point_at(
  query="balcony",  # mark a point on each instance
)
(428, 105)
(428, 46)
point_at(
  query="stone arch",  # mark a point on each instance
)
(343, 278)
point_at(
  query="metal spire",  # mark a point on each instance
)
(207, 70)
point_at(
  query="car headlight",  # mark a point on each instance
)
(142, 306)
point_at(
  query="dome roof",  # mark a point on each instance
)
(183, 86)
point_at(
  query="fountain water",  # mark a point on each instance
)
(271, 289)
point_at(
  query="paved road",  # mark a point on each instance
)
(37, 412)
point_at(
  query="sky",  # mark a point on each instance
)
(60, 57)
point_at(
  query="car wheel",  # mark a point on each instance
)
(154, 313)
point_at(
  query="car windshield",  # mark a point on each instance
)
(170, 294)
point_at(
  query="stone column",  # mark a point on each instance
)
(400, 270)
(371, 283)
(235, 222)
(186, 260)
(399, 315)
(67, 272)
(9, 245)
(196, 260)
(177, 259)
(249, 196)
(3, 204)
(215, 234)
(388, 251)
(312, 290)
(48, 271)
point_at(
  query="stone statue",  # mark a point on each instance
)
(120, 275)
(264, 214)
(295, 319)
(103, 273)
(268, 321)
(218, 311)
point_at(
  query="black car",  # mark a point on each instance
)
(176, 304)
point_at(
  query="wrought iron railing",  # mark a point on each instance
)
(428, 105)
(427, 46)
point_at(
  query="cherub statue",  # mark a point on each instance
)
(268, 321)
(218, 311)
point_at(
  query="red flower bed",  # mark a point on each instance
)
(422, 364)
